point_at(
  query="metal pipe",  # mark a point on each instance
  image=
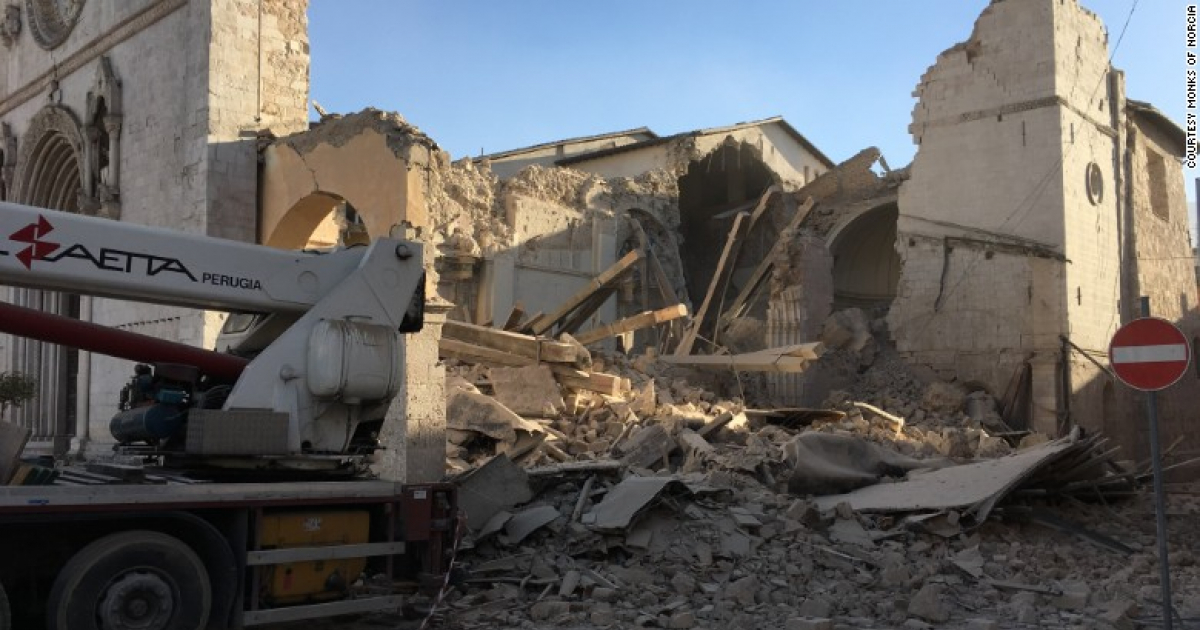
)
(66, 331)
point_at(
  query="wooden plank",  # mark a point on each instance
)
(757, 362)
(630, 324)
(811, 351)
(660, 278)
(463, 351)
(527, 327)
(13, 438)
(514, 317)
(762, 271)
(763, 202)
(566, 375)
(546, 350)
(605, 279)
(669, 296)
(689, 336)
(591, 381)
(586, 310)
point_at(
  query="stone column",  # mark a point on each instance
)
(414, 430)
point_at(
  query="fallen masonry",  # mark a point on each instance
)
(668, 502)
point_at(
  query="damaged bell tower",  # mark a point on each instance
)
(1017, 227)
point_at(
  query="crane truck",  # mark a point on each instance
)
(243, 498)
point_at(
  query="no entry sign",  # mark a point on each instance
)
(1149, 354)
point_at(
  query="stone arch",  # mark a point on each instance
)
(316, 220)
(866, 266)
(52, 168)
(346, 160)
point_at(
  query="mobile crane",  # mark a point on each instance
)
(252, 508)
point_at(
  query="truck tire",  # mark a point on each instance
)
(5, 611)
(141, 580)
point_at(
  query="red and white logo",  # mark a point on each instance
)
(1149, 354)
(32, 235)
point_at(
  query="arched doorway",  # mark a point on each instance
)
(51, 174)
(321, 219)
(866, 267)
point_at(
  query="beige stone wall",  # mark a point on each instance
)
(1164, 264)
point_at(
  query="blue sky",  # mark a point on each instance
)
(500, 74)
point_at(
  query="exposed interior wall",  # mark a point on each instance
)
(866, 267)
(374, 161)
(712, 188)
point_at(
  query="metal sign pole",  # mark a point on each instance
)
(1160, 508)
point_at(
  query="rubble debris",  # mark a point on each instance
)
(475, 412)
(829, 464)
(622, 526)
(527, 391)
(493, 487)
(527, 521)
(627, 500)
(970, 488)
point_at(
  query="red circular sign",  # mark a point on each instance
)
(1149, 354)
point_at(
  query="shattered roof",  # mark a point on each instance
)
(787, 127)
(1155, 117)
(545, 145)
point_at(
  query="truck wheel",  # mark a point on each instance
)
(137, 580)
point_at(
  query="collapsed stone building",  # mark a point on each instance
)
(1041, 204)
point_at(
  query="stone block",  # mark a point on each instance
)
(808, 623)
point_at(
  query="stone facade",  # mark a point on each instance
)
(149, 110)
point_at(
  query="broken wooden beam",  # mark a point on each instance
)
(719, 274)
(566, 375)
(585, 310)
(740, 362)
(630, 324)
(514, 317)
(546, 350)
(591, 381)
(795, 358)
(762, 271)
(602, 281)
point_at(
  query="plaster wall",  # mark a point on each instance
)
(630, 163)
(506, 166)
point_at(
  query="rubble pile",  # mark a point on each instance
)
(713, 550)
(665, 489)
